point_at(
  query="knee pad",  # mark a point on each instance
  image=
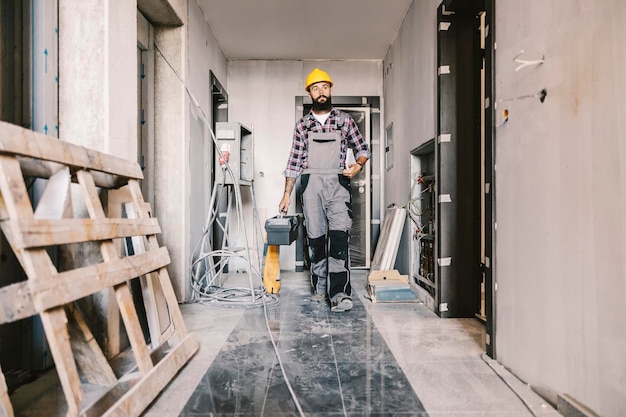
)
(338, 244)
(317, 249)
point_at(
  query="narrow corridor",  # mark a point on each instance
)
(382, 359)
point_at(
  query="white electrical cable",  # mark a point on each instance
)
(262, 296)
(280, 363)
(508, 385)
(227, 168)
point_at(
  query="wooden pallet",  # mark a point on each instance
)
(52, 294)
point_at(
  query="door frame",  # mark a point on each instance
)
(490, 177)
(367, 183)
(375, 173)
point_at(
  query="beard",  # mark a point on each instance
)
(322, 106)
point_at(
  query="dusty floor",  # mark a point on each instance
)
(378, 359)
(382, 359)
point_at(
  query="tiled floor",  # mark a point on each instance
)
(383, 359)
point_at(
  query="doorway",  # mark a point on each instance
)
(360, 248)
(365, 188)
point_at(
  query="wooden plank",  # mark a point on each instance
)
(19, 141)
(72, 285)
(41, 233)
(50, 292)
(91, 362)
(154, 300)
(143, 392)
(16, 302)
(166, 283)
(55, 325)
(115, 328)
(391, 276)
(45, 169)
(39, 268)
(16, 204)
(6, 408)
(122, 291)
(133, 328)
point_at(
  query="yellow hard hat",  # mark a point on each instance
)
(316, 76)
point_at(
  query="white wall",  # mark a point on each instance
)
(561, 199)
(262, 97)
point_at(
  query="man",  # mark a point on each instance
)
(318, 156)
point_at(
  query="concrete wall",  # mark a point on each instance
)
(560, 186)
(98, 110)
(262, 97)
(98, 107)
(182, 148)
(561, 199)
(97, 70)
(410, 103)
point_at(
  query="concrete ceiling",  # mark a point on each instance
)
(298, 29)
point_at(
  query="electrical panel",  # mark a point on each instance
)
(422, 211)
(236, 145)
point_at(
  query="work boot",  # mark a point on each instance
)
(318, 297)
(342, 303)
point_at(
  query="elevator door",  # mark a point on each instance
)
(459, 158)
(361, 197)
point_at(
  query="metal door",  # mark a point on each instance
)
(361, 197)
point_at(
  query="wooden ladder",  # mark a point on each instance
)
(52, 294)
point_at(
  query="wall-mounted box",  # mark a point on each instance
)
(236, 142)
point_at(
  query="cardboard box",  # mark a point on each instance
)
(390, 286)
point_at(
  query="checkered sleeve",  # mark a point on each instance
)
(297, 155)
(356, 139)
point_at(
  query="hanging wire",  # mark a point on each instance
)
(413, 207)
(203, 285)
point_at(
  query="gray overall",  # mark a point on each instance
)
(327, 207)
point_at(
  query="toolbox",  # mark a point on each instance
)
(282, 230)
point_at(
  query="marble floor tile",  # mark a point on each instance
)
(377, 360)
(337, 364)
(470, 386)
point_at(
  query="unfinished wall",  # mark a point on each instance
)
(410, 103)
(205, 55)
(97, 75)
(183, 152)
(262, 97)
(561, 199)
(98, 106)
(98, 110)
(560, 186)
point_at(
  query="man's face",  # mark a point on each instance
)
(320, 94)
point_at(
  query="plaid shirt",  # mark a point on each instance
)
(298, 158)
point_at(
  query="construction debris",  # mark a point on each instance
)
(389, 286)
(52, 293)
